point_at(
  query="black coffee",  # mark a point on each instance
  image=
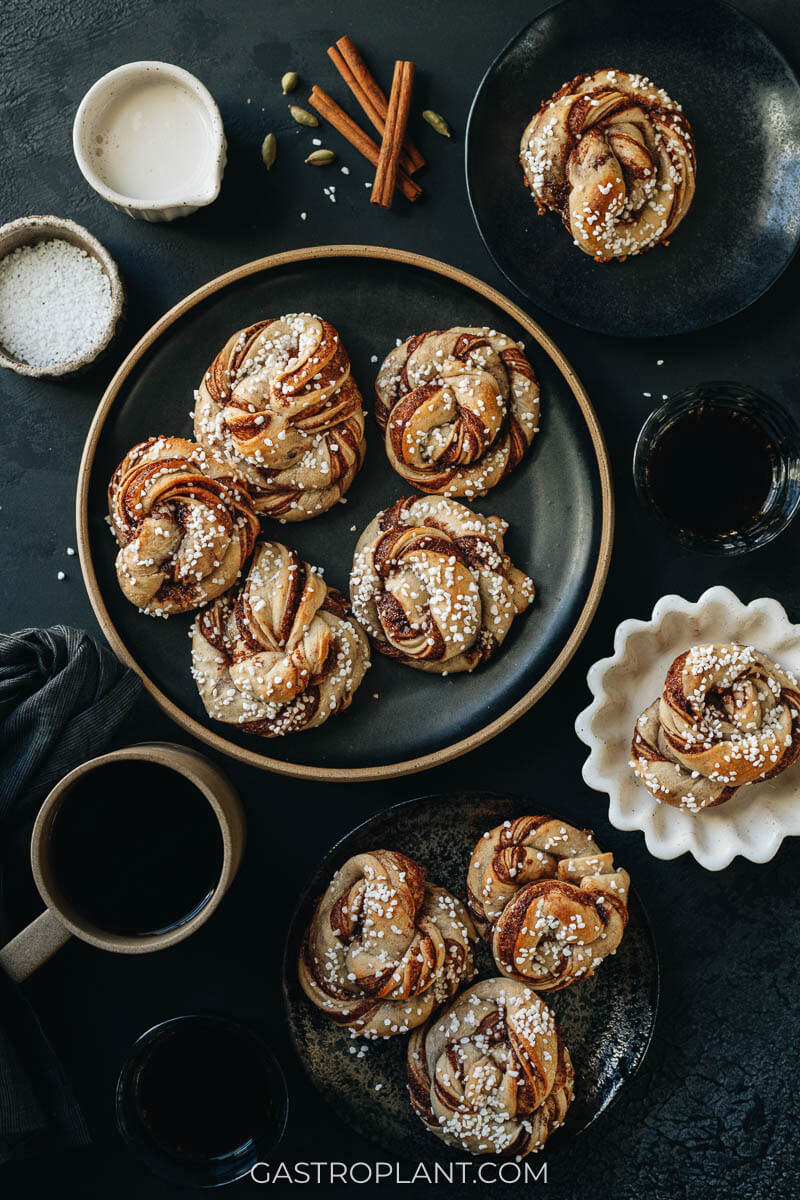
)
(136, 848)
(203, 1090)
(711, 471)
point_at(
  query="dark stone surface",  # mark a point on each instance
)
(714, 1110)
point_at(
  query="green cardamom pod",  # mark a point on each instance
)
(303, 116)
(289, 81)
(321, 158)
(269, 150)
(436, 122)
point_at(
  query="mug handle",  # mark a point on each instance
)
(33, 946)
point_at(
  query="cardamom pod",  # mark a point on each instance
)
(269, 150)
(436, 122)
(289, 81)
(321, 158)
(303, 116)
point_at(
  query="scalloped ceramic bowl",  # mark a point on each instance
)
(754, 822)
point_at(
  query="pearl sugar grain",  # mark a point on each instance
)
(55, 303)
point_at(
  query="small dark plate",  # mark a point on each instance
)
(743, 101)
(607, 1021)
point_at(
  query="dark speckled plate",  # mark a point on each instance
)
(743, 101)
(607, 1021)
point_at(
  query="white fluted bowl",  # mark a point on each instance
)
(754, 822)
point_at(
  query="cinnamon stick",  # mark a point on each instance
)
(354, 134)
(356, 74)
(393, 134)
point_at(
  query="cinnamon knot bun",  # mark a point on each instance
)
(280, 653)
(727, 716)
(492, 1074)
(551, 904)
(385, 948)
(280, 402)
(433, 586)
(184, 522)
(614, 155)
(458, 409)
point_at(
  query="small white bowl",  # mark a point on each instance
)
(754, 822)
(85, 133)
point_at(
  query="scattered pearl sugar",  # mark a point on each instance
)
(55, 303)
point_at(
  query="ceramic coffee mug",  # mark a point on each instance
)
(40, 940)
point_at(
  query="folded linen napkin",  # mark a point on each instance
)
(62, 697)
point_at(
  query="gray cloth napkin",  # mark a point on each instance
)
(62, 697)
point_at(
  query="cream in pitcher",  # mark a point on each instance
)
(149, 138)
(152, 142)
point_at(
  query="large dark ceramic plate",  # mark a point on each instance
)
(743, 101)
(558, 504)
(607, 1021)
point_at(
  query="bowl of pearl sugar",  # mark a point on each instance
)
(61, 297)
(149, 138)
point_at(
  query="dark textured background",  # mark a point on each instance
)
(714, 1110)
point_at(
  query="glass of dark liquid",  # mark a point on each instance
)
(201, 1100)
(720, 466)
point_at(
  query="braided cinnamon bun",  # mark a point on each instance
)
(492, 1074)
(727, 716)
(184, 522)
(614, 155)
(432, 586)
(280, 402)
(385, 948)
(551, 904)
(282, 652)
(458, 409)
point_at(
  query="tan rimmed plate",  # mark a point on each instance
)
(558, 503)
